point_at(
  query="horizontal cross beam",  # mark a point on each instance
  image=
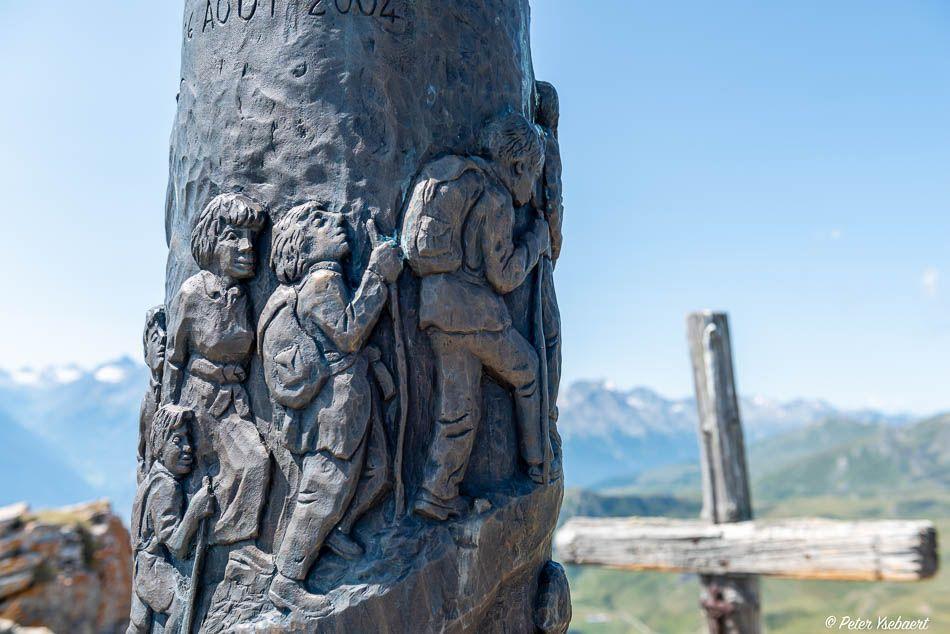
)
(799, 549)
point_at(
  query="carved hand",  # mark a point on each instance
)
(543, 231)
(386, 261)
(236, 374)
(203, 502)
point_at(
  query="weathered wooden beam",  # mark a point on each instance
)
(722, 447)
(731, 603)
(886, 550)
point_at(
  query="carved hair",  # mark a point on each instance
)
(167, 420)
(154, 319)
(224, 210)
(548, 109)
(510, 137)
(287, 256)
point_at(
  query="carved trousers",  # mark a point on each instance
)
(552, 334)
(460, 360)
(228, 448)
(333, 493)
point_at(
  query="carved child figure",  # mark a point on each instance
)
(311, 334)
(153, 342)
(210, 342)
(162, 527)
(458, 236)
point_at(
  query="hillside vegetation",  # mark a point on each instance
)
(837, 468)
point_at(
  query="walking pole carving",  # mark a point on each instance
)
(549, 203)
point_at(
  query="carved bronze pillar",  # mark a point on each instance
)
(357, 421)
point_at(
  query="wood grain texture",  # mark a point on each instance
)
(731, 603)
(800, 548)
(722, 446)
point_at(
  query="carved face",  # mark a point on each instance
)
(234, 253)
(177, 454)
(155, 349)
(523, 176)
(327, 238)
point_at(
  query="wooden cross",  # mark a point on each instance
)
(726, 547)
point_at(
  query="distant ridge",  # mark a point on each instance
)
(34, 471)
(612, 433)
(90, 417)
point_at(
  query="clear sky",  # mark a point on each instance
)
(788, 162)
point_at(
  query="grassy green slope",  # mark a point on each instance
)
(835, 469)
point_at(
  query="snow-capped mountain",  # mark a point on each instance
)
(86, 420)
(89, 418)
(611, 433)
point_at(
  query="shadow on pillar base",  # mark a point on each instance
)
(479, 573)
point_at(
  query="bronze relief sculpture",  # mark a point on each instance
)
(312, 333)
(210, 341)
(458, 237)
(361, 435)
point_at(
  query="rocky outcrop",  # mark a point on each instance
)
(9, 627)
(68, 569)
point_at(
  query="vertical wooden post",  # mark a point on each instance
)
(731, 603)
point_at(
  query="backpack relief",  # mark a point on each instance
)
(294, 366)
(434, 218)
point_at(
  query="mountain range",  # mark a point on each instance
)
(611, 434)
(76, 430)
(83, 421)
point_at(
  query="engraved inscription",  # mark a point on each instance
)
(370, 8)
(387, 11)
(251, 10)
(217, 13)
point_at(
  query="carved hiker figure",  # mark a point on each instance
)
(163, 525)
(458, 236)
(311, 335)
(549, 201)
(153, 342)
(210, 341)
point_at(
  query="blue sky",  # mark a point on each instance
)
(788, 162)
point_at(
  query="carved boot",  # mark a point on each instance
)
(344, 545)
(289, 594)
(428, 505)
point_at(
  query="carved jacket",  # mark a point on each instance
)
(469, 299)
(210, 337)
(330, 408)
(150, 404)
(156, 514)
